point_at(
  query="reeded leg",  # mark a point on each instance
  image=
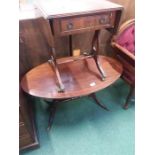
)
(95, 52)
(97, 101)
(132, 89)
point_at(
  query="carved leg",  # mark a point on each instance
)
(103, 75)
(132, 89)
(52, 109)
(95, 52)
(97, 101)
(52, 61)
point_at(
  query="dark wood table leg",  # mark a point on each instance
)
(93, 95)
(95, 53)
(52, 108)
(131, 93)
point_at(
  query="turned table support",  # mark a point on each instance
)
(52, 108)
(130, 95)
(93, 96)
(40, 81)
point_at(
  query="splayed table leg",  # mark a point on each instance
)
(93, 96)
(52, 109)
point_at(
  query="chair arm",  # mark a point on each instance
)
(122, 49)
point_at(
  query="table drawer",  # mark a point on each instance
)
(82, 23)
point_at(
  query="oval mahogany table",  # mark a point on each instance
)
(80, 78)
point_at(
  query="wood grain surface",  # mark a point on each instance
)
(79, 78)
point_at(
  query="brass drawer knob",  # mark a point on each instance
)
(69, 26)
(104, 20)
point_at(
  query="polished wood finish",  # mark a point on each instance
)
(95, 52)
(54, 64)
(79, 24)
(36, 47)
(80, 78)
(36, 43)
(76, 23)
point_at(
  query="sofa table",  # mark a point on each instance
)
(69, 17)
(80, 78)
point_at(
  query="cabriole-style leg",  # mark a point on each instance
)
(130, 95)
(52, 61)
(97, 101)
(95, 52)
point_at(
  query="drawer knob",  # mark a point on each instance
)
(69, 26)
(104, 20)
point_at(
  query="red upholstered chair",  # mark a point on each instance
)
(124, 46)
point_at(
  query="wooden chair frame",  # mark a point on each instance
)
(126, 56)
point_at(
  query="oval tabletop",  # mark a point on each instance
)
(80, 78)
